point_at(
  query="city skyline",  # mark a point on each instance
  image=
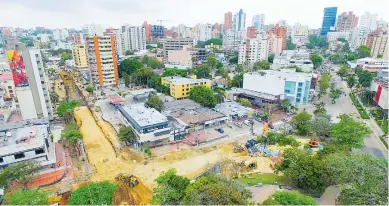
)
(76, 13)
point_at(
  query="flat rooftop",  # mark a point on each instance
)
(142, 91)
(188, 81)
(253, 93)
(232, 108)
(22, 139)
(198, 116)
(287, 74)
(144, 116)
(182, 104)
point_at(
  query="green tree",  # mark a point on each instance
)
(129, 52)
(346, 47)
(320, 108)
(95, 193)
(156, 83)
(365, 78)
(261, 65)
(127, 134)
(21, 171)
(203, 95)
(343, 70)
(379, 56)
(316, 60)
(215, 190)
(324, 84)
(220, 94)
(89, 89)
(129, 66)
(154, 63)
(285, 104)
(351, 81)
(127, 80)
(145, 59)
(244, 102)
(237, 80)
(351, 57)
(214, 42)
(65, 110)
(306, 170)
(239, 68)
(289, 198)
(170, 190)
(27, 197)
(301, 122)
(168, 72)
(233, 59)
(334, 93)
(71, 133)
(155, 102)
(365, 178)
(321, 125)
(290, 45)
(270, 58)
(203, 71)
(143, 75)
(349, 132)
(211, 60)
(363, 51)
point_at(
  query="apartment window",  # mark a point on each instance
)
(1, 160)
(10, 91)
(287, 91)
(299, 90)
(36, 55)
(182, 89)
(42, 82)
(9, 87)
(187, 93)
(39, 151)
(300, 84)
(187, 85)
(20, 156)
(298, 94)
(298, 100)
(183, 94)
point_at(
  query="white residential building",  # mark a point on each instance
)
(93, 29)
(357, 38)
(299, 34)
(334, 36)
(205, 31)
(259, 21)
(286, 83)
(254, 49)
(382, 25)
(232, 39)
(131, 38)
(60, 34)
(368, 22)
(239, 21)
(298, 58)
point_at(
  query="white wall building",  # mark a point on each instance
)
(93, 29)
(232, 39)
(254, 49)
(288, 84)
(334, 36)
(291, 58)
(368, 22)
(131, 38)
(205, 31)
(60, 34)
(239, 21)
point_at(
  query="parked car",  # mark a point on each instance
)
(239, 124)
(220, 130)
(247, 122)
(271, 126)
(258, 119)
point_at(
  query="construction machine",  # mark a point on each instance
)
(248, 165)
(130, 180)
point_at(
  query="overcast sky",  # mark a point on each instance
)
(113, 13)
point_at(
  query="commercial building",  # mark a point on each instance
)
(79, 56)
(102, 60)
(334, 36)
(201, 118)
(227, 21)
(291, 85)
(254, 49)
(188, 56)
(7, 87)
(180, 87)
(259, 21)
(380, 86)
(257, 99)
(157, 32)
(20, 143)
(148, 124)
(233, 110)
(239, 21)
(288, 58)
(370, 64)
(346, 21)
(329, 19)
(175, 44)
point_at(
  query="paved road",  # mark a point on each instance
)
(343, 105)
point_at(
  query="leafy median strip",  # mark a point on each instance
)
(362, 112)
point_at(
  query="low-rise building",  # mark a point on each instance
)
(180, 87)
(370, 64)
(233, 110)
(188, 56)
(298, 58)
(22, 143)
(149, 124)
(380, 86)
(294, 86)
(7, 87)
(257, 99)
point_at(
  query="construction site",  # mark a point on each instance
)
(104, 157)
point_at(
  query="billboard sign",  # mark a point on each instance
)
(18, 68)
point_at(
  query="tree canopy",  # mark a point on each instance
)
(237, 81)
(244, 102)
(168, 72)
(289, 198)
(170, 190)
(155, 102)
(349, 132)
(321, 124)
(363, 51)
(315, 41)
(89, 89)
(216, 190)
(302, 122)
(203, 71)
(214, 42)
(21, 171)
(324, 84)
(95, 193)
(203, 95)
(261, 65)
(317, 60)
(129, 66)
(343, 70)
(129, 52)
(127, 134)
(27, 197)
(65, 109)
(153, 63)
(289, 44)
(270, 58)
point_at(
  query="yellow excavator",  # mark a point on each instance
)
(130, 180)
(248, 165)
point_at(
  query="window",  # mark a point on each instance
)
(298, 94)
(1, 160)
(287, 90)
(39, 151)
(19, 156)
(300, 84)
(182, 89)
(9, 87)
(187, 93)
(298, 100)
(299, 90)
(182, 94)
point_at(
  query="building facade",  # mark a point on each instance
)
(102, 60)
(130, 38)
(205, 32)
(379, 46)
(79, 56)
(329, 20)
(147, 28)
(259, 21)
(346, 21)
(254, 49)
(291, 85)
(368, 22)
(232, 39)
(180, 87)
(251, 32)
(280, 31)
(227, 21)
(334, 36)
(175, 44)
(239, 21)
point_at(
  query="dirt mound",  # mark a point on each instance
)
(139, 195)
